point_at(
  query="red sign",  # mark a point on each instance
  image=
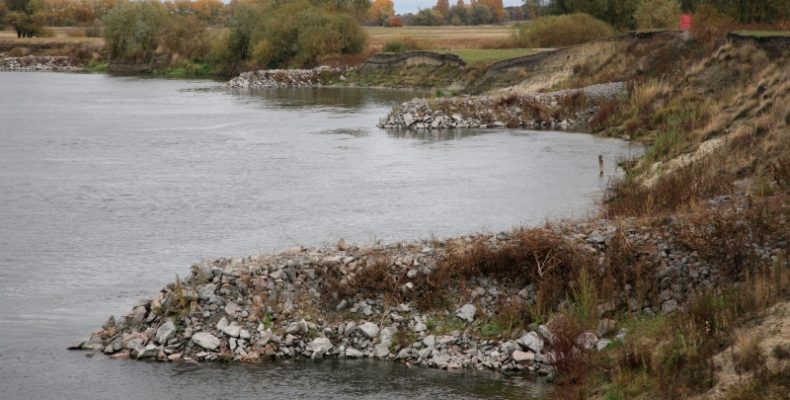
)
(685, 21)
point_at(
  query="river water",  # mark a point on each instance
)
(111, 186)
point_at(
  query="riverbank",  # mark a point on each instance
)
(450, 304)
(41, 64)
(638, 301)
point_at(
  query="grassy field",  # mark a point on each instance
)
(764, 33)
(443, 37)
(60, 36)
(488, 56)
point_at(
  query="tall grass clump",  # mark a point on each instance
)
(402, 44)
(561, 30)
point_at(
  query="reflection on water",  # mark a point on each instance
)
(112, 186)
(437, 135)
(335, 97)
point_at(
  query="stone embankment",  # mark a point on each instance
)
(40, 63)
(315, 303)
(285, 78)
(565, 109)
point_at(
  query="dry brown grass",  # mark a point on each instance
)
(747, 353)
(443, 37)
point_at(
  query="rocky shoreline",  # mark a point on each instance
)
(41, 63)
(285, 78)
(563, 109)
(314, 303)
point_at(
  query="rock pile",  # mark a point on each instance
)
(557, 110)
(284, 306)
(284, 78)
(40, 63)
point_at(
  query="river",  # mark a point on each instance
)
(112, 186)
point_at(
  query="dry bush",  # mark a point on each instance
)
(747, 354)
(405, 43)
(627, 263)
(574, 28)
(572, 363)
(672, 192)
(539, 256)
(605, 112)
(710, 24)
(636, 357)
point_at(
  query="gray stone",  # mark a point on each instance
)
(420, 327)
(353, 353)
(206, 340)
(602, 344)
(370, 329)
(232, 330)
(206, 292)
(523, 356)
(587, 340)
(467, 312)
(429, 341)
(381, 350)
(165, 332)
(545, 333)
(531, 341)
(232, 308)
(605, 327)
(147, 352)
(222, 323)
(669, 306)
(320, 346)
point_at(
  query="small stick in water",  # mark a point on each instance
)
(600, 165)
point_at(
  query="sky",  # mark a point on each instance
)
(407, 6)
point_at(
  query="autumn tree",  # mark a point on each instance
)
(25, 16)
(380, 12)
(496, 7)
(443, 7)
(657, 14)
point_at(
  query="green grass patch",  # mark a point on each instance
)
(489, 56)
(764, 33)
(95, 66)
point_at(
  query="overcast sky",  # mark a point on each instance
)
(407, 6)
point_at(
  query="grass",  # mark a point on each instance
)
(488, 56)
(763, 33)
(442, 37)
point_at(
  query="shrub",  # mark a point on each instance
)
(657, 14)
(133, 29)
(402, 44)
(710, 24)
(563, 30)
(292, 34)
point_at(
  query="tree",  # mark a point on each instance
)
(3, 12)
(25, 16)
(657, 14)
(496, 7)
(134, 29)
(481, 14)
(427, 17)
(380, 12)
(443, 7)
(459, 14)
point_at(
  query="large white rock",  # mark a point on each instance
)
(232, 330)
(370, 329)
(319, 346)
(205, 340)
(165, 332)
(467, 312)
(353, 353)
(531, 341)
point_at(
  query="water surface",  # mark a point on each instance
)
(110, 186)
